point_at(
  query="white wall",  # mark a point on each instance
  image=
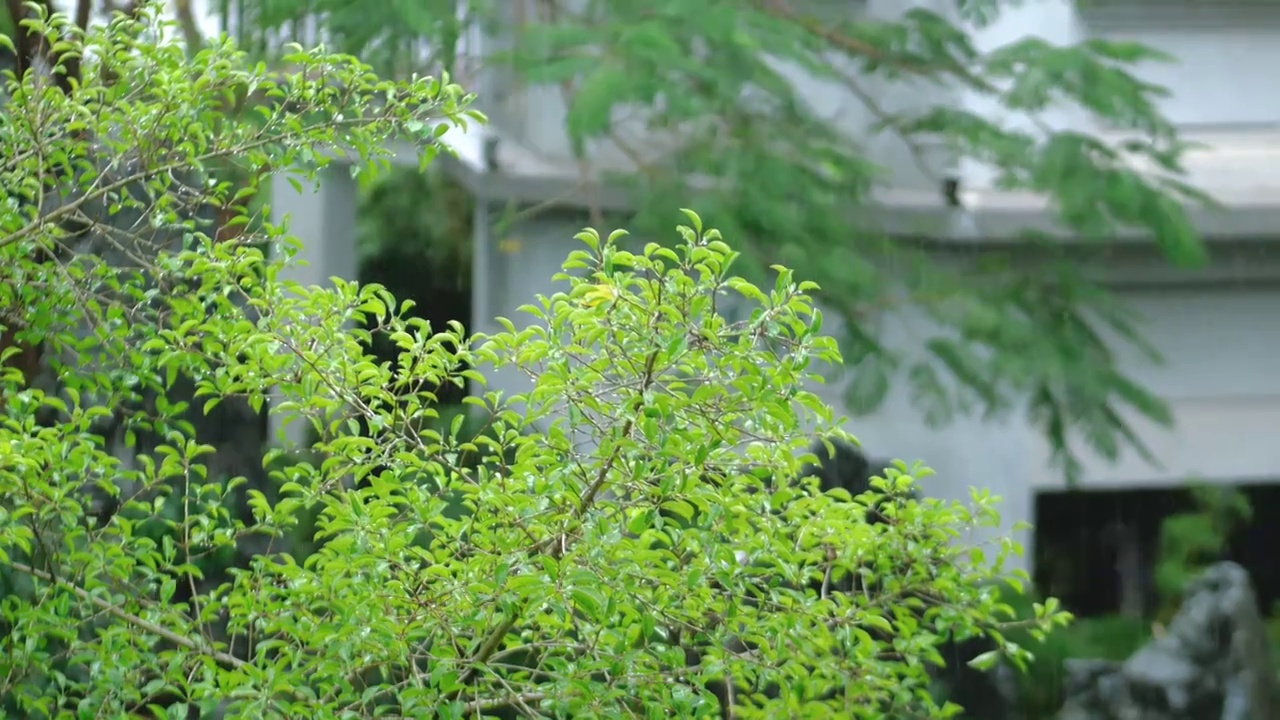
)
(996, 456)
(1223, 82)
(1224, 89)
(1055, 21)
(1226, 55)
(322, 216)
(1221, 377)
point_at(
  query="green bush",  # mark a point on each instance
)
(565, 563)
(1040, 691)
(1190, 541)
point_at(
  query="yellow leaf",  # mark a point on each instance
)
(598, 295)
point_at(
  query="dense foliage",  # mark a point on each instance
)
(728, 105)
(642, 490)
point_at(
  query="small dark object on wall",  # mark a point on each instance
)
(491, 143)
(951, 192)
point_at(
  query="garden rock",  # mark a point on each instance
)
(1211, 663)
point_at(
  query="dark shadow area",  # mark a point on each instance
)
(1257, 546)
(414, 238)
(1096, 550)
(437, 298)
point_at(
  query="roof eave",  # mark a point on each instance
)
(985, 218)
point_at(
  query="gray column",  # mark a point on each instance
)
(482, 269)
(323, 218)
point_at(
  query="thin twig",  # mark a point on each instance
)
(128, 617)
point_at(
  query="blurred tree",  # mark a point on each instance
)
(1013, 336)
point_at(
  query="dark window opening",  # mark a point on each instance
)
(1096, 550)
(414, 238)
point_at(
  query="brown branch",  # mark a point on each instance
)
(27, 360)
(105, 188)
(24, 43)
(476, 707)
(779, 10)
(129, 7)
(128, 617)
(71, 63)
(190, 28)
(31, 46)
(83, 8)
(132, 8)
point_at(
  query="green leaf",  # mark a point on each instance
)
(985, 661)
(591, 110)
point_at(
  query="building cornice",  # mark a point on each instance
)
(1242, 170)
(1242, 234)
(1198, 15)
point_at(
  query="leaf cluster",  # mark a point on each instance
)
(562, 562)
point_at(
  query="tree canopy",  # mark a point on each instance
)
(1013, 336)
(657, 514)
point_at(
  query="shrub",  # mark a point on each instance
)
(574, 571)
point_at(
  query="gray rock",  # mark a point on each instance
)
(1211, 664)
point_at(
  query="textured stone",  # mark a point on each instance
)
(1211, 663)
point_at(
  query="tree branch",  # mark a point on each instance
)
(23, 42)
(191, 34)
(779, 10)
(146, 626)
(31, 46)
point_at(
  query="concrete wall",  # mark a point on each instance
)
(1220, 348)
(1222, 79)
(322, 215)
(1226, 54)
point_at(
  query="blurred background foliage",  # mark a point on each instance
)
(1024, 330)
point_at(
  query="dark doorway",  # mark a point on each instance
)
(414, 238)
(1096, 550)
